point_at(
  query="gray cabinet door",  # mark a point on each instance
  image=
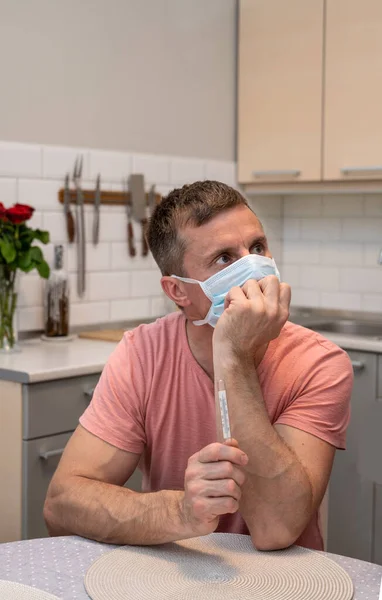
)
(351, 493)
(40, 460)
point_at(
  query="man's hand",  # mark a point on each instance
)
(254, 315)
(212, 484)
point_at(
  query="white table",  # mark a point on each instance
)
(58, 565)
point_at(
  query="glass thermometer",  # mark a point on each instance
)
(223, 405)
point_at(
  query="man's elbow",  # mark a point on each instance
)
(51, 514)
(273, 540)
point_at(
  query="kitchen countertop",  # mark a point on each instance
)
(44, 361)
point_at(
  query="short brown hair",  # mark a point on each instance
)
(193, 204)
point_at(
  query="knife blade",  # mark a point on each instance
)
(97, 202)
(70, 228)
(130, 229)
(138, 201)
(81, 249)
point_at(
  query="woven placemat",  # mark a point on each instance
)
(216, 567)
(10, 590)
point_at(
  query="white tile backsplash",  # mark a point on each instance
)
(57, 161)
(8, 191)
(336, 252)
(366, 229)
(341, 301)
(40, 193)
(156, 169)
(31, 291)
(31, 319)
(301, 253)
(373, 205)
(130, 309)
(303, 206)
(109, 285)
(186, 171)
(340, 205)
(327, 246)
(320, 229)
(145, 283)
(341, 254)
(97, 257)
(219, 170)
(20, 160)
(89, 313)
(112, 166)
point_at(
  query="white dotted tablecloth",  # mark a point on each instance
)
(58, 565)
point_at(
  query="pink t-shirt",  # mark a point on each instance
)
(155, 400)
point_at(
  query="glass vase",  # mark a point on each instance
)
(8, 305)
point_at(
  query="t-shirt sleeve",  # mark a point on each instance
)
(116, 411)
(321, 400)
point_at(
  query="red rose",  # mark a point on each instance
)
(3, 216)
(19, 213)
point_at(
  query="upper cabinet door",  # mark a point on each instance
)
(353, 90)
(280, 90)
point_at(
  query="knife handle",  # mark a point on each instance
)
(145, 246)
(130, 239)
(70, 228)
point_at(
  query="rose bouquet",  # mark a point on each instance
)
(17, 252)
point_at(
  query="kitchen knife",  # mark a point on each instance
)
(97, 202)
(139, 206)
(80, 216)
(68, 213)
(130, 230)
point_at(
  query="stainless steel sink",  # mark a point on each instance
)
(372, 329)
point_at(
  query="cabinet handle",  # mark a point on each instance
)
(277, 173)
(360, 170)
(89, 393)
(51, 453)
(357, 365)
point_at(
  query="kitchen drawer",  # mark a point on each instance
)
(52, 407)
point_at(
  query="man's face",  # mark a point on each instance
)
(215, 245)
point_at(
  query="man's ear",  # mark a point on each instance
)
(175, 290)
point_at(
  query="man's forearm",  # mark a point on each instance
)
(113, 514)
(277, 496)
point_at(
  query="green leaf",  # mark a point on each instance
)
(43, 269)
(25, 260)
(42, 236)
(36, 254)
(7, 249)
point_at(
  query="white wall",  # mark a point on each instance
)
(330, 249)
(153, 76)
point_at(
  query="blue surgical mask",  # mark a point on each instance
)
(216, 287)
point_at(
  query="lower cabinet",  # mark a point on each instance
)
(355, 498)
(50, 414)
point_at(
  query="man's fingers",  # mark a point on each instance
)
(215, 452)
(235, 294)
(217, 471)
(285, 296)
(270, 287)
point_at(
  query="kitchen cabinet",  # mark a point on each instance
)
(309, 95)
(37, 422)
(280, 90)
(353, 89)
(354, 515)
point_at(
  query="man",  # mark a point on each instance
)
(288, 392)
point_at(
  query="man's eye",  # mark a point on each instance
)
(257, 249)
(223, 259)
